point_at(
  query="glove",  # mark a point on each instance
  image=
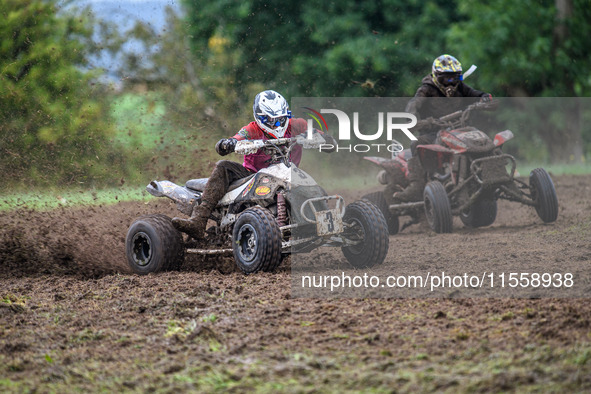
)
(225, 146)
(310, 143)
(329, 140)
(248, 147)
(486, 97)
(302, 139)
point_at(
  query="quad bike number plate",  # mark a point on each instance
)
(328, 222)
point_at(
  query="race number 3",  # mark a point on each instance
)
(328, 222)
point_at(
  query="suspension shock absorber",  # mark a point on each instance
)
(281, 210)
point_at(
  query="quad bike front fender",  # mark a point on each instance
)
(502, 137)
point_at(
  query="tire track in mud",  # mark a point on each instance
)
(84, 241)
(67, 317)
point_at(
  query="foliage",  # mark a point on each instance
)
(532, 48)
(314, 48)
(520, 44)
(383, 48)
(196, 90)
(53, 125)
(175, 106)
(195, 81)
(157, 142)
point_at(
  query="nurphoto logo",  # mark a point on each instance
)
(394, 122)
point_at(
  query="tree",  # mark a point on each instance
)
(531, 48)
(53, 126)
(316, 48)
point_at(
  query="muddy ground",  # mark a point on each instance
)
(73, 318)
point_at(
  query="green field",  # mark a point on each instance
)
(46, 199)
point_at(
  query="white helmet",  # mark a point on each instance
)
(271, 112)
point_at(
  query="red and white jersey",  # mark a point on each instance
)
(259, 160)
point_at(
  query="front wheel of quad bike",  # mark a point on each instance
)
(543, 194)
(153, 245)
(378, 199)
(480, 214)
(437, 208)
(367, 227)
(256, 241)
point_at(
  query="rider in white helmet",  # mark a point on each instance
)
(272, 119)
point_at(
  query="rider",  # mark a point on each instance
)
(445, 80)
(272, 119)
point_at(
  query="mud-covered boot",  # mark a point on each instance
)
(416, 176)
(195, 225)
(214, 190)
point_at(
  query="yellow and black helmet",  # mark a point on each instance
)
(446, 74)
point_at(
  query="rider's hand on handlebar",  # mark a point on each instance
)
(248, 147)
(329, 140)
(310, 143)
(225, 146)
(485, 98)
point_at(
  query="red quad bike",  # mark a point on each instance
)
(467, 173)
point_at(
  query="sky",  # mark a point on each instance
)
(124, 13)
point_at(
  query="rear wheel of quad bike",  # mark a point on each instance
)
(367, 227)
(379, 201)
(480, 214)
(437, 208)
(153, 245)
(543, 194)
(256, 241)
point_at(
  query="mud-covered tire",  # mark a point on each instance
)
(543, 194)
(256, 241)
(437, 208)
(153, 244)
(369, 227)
(379, 200)
(480, 214)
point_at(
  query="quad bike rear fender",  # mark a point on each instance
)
(185, 200)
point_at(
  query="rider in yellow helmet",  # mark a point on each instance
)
(445, 80)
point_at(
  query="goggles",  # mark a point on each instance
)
(274, 122)
(449, 79)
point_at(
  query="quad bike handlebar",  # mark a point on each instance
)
(458, 118)
(247, 147)
(280, 148)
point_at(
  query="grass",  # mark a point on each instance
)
(541, 368)
(47, 199)
(556, 169)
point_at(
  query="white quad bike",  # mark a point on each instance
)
(263, 218)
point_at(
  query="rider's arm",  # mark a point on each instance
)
(468, 91)
(228, 145)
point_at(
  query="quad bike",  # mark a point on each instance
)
(263, 218)
(467, 173)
